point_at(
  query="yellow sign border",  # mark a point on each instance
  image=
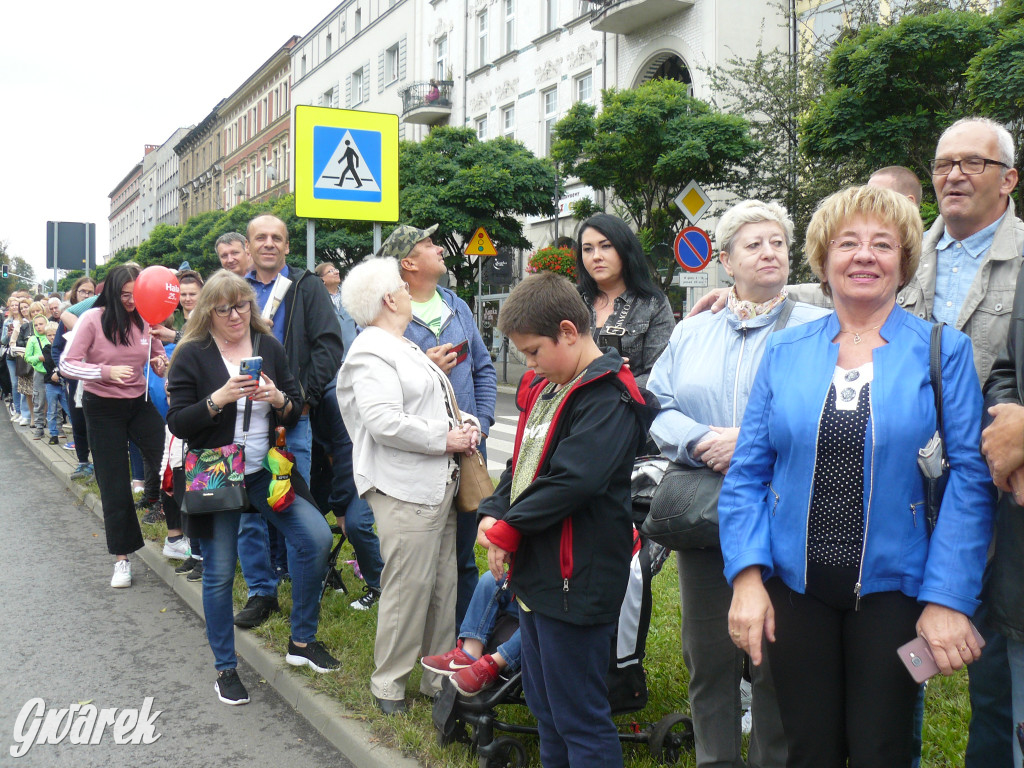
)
(489, 249)
(309, 207)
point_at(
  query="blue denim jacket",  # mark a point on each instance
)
(765, 499)
(474, 379)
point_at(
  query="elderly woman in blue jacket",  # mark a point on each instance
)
(822, 515)
(702, 382)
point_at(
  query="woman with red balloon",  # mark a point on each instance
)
(109, 354)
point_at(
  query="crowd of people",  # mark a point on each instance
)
(806, 404)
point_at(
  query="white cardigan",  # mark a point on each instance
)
(392, 401)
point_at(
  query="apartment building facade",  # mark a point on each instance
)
(158, 185)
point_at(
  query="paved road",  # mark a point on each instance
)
(67, 637)
(503, 432)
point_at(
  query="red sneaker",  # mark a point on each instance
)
(448, 663)
(479, 676)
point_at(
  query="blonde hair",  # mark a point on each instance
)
(223, 287)
(870, 202)
(36, 308)
(751, 212)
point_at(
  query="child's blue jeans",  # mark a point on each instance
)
(478, 624)
(54, 398)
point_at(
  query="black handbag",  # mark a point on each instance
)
(22, 367)
(933, 460)
(684, 509)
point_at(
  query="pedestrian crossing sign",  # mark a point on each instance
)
(346, 164)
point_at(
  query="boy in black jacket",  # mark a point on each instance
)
(560, 516)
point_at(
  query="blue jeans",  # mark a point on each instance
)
(563, 678)
(478, 624)
(1015, 655)
(54, 399)
(16, 396)
(309, 543)
(261, 550)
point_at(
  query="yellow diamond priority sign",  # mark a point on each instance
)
(480, 244)
(693, 202)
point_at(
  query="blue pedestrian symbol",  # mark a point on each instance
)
(346, 164)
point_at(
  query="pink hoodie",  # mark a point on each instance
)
(90, 357)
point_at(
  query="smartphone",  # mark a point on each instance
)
(461, 351)
(251, 366)
(917, 656)
(610, 340)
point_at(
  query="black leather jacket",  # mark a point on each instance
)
(1004, 591)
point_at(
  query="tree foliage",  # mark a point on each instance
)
(646, 145)
(458, 182)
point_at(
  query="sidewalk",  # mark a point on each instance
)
(353, 739)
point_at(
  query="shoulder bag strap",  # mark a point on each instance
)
(620, 317)
(935, 374)
(783, 319)
(248, 402)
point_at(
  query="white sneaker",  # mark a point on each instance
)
(22, 422)
(177, 550)
(122, 574)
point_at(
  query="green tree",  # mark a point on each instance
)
(458, 182)
(646, 145)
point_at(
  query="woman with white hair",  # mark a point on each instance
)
(401, 412)
(702, 382)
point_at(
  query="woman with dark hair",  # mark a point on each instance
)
(108, 355)
(83, 288)
(628, 312)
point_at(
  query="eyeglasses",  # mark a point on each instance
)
(969, 166)
(242, 308)
(880, 246)
(127, 296)
(331, 272)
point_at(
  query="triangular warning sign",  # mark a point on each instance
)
(480, 244)
(347, 170)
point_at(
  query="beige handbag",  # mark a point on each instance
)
(474, 483)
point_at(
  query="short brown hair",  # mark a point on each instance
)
(540, 303)
(874, 202)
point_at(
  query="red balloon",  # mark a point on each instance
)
(156, 294)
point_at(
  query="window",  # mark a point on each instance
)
(357, 87)
(549, 99)
(508, 121)
(391, 64)
(510, 26)
(583, 7)
(359, 20)
(327, 100)
(481, 25)
(329, 46)
(584, 85)
(481, 128)
(441, 50)
(550, 15)
(302, 66)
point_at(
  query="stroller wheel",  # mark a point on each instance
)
(504, 752)
(668, 737)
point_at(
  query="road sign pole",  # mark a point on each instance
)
(56, 235)
(376, 236)
(310, 244)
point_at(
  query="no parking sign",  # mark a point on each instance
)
(692, 249)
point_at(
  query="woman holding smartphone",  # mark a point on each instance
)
(208, 393)
(627, 310)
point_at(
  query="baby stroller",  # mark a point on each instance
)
(627, 686)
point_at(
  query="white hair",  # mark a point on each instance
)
(365, 287)
(1004, 141)
(751, 212)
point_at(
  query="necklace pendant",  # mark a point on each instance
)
(856, 338)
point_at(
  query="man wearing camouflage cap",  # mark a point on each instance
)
(441, 321)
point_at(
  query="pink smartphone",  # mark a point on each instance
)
(917, 656)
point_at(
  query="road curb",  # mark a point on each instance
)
(336, 724)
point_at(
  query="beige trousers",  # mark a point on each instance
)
(416, 612)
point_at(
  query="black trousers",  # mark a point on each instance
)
(77, 416)
(843, 693)
(111, 423)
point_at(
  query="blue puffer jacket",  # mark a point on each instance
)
(474, 379)
(765, 501)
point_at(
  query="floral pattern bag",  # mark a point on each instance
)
(215, 480)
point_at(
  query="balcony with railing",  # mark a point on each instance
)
(427, 103)
(624, 17)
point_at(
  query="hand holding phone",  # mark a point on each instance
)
(461, 351)
(251, 366)
(918, 659)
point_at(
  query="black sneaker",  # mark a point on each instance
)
(314, 656)
(230, 689)
(154, 515)
(256, 611)
(54, 440)
(196, 574)
(187, 566)
(367, 601)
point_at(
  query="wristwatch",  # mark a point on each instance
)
(213, 406)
